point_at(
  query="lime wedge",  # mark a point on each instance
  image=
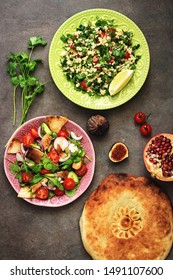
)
(120, 81)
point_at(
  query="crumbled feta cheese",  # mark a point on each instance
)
(99, 80)
(102, 91)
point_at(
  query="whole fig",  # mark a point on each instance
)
(97, 125)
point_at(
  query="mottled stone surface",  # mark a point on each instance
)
(31, 232)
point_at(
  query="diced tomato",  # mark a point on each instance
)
(102, 33)
(27, 140)
(82, 170)
(111, 60)
(53, 155)
(84, 85)
(95, 59)
(59, 192)
(63, 133)
(127, 55)
(69, 184)
(72, 46)
(111, 30)
(27, 176)
(99, 68)
(42, 193)
(34, 132)
(44, 171)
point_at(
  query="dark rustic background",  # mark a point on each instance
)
(31, 232)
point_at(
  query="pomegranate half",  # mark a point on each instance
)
(158, 157)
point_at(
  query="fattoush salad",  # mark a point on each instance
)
(49, 160)
(95, 53)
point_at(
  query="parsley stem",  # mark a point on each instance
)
(30, 54)
(23, 102)
(14, 105)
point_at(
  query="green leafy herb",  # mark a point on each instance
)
(20, 66)
(55, 182)
(14, 168)
(72, 192)
(37, 178)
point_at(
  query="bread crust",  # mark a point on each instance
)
(127, 218)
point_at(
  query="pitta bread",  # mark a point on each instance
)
(127, 218)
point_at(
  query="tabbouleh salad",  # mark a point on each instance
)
(95, 53)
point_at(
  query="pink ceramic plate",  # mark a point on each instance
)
(85, 181)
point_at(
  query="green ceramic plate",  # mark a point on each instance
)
(97, 102)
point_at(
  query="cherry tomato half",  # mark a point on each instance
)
(27, 176)
(145, 129)
(69, 184)
(34, 132)
(27, 140)
(82, 170)
(59, 192)
(63, 133)
(53, 155)
(42, 193)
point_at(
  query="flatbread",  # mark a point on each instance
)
(127, 218)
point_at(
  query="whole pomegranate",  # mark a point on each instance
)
(158, 156)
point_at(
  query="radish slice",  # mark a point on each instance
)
(62, 142)
(73, 148)
(64, 159)
(19, 157)
(74, 136)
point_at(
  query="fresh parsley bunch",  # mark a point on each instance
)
(20, 68)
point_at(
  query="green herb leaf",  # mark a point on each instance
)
(55, 182)
(19, 68)
(14, 81)
(72, 192)
(35, 41)
(14, 168)
(32, 81)
(37, 178)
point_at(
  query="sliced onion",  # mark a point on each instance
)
(74, 136)
(64, 159)
(39, 132)
(41, 144)
(23, 150)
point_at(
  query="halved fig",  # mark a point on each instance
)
(158, 157)
(118, 152)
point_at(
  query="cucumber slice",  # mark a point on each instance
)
(46, 129)
(73, 176)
